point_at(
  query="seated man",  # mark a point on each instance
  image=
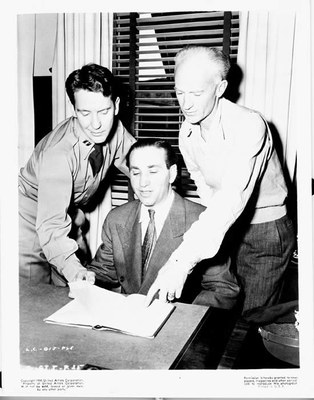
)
(139, 236)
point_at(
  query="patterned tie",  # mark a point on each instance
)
(96, 158)
(149, 241)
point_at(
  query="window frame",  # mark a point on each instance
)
(150, 106)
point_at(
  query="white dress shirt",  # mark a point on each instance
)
(161, 213)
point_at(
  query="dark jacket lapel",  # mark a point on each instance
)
(168, 240)
(130, 236)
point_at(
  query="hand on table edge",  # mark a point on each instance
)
(83, 275)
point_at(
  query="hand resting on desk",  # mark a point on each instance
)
(87, 276)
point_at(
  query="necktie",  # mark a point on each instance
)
(96, 158)
(149, 241)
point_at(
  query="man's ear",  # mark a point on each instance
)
(222, 86)
(73, 109)
(116, 105)
(173, 173)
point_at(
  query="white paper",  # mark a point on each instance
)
(93, 306)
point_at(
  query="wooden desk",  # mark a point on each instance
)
(49, 346)
(194, 337)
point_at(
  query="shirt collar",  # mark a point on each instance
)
(195, 128)
(86, 145)
(161, 210)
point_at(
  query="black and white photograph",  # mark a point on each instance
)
(160, 201)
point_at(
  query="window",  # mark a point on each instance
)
(144, 46)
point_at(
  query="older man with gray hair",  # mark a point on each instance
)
(229, 152)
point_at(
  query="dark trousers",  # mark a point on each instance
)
(212, 283)
(261, 259)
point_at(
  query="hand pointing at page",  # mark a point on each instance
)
(169, 283)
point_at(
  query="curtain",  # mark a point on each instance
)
(276, 54)
(311, 66)
(267, 58)
(26, 51)
(36, 40)
(304, 100)
(81, 39)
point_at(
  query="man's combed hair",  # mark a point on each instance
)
(170, 155)
(91, 77)
(215, 55)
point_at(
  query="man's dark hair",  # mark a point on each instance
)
(91, 77)
(170, 155)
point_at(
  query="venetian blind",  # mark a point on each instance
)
(144, 46)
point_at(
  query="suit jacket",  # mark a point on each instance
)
(118, 260)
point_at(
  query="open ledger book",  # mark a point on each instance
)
(101, 309)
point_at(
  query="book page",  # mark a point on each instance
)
(93, 305)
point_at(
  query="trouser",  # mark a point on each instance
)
(261, 260)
